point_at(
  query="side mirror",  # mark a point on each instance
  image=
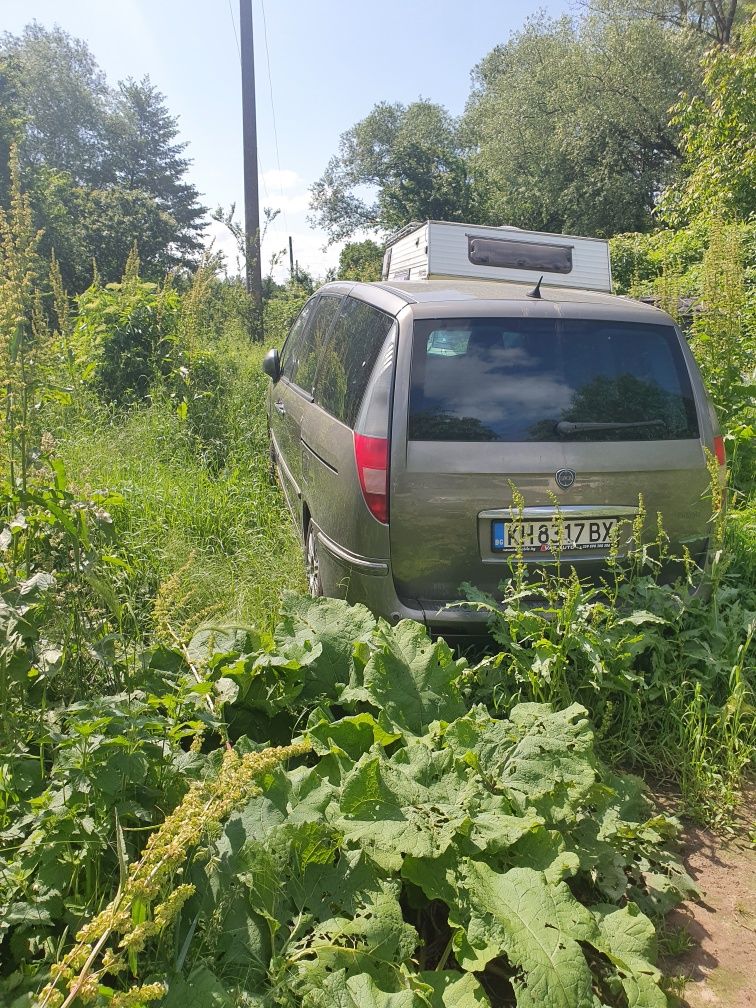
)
(272, 365)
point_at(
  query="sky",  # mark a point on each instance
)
(320, 66)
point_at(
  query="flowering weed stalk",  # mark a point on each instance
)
(201, 813)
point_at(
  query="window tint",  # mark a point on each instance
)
(290, 351)
(548, 380)
(313, 344)
(345, 367)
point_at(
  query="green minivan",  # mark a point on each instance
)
(403, 416)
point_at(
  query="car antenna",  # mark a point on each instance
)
(536, 292)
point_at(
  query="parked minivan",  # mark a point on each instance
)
(403, 414)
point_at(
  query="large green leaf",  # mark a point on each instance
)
(339, 990)
(372, 939)
(411, 678)
(334, 627)
(629, 940)
(351, 736)
(541, 757)
(413, 803)
(453, 990)
(537, 926)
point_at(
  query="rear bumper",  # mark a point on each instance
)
(367, 580)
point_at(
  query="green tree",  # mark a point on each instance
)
(571, 122)
(59, 95)
(83, 224)
(412, 159)
(715, 20)
(717, 177)
(360, 261)
(143, 155)
(103, 168)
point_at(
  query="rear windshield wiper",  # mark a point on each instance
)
(567, 427)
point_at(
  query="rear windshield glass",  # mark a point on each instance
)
(548, 380)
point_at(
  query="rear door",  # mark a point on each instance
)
(292, 395)
(577, 415)
(332, 487)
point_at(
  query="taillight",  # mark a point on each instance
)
(372, 457)
(371, 432)
(719, 450)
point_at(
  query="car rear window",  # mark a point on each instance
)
(496, 379)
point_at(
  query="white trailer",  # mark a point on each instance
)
(438, 249)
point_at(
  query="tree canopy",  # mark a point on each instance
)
(102, 165)
(360, 261)
(571, 122)
(416, 161)
(567, 128)
(717, 176)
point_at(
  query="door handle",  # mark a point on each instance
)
(280, 407)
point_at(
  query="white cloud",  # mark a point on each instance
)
(281, 178)
(291, 204)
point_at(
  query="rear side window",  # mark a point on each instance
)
(345, 368)
(313, 344)
(491, 379)
(291, 348)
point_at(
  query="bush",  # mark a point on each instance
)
(125, 338)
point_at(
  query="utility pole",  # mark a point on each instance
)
(291, 259)
(249, 129)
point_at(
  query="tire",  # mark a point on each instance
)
(312, 562)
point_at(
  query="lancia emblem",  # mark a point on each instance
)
(565, 478)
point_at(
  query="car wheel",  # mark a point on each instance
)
(312, 562)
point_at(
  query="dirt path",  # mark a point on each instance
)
(721, 967)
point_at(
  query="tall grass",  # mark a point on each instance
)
(221, 535)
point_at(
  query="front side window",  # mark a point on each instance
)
(313, 345)
(345, 368)
(291, 348)
(527, 379)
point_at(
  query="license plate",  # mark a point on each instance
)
(544, 536)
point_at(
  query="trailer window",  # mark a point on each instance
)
(519, 254)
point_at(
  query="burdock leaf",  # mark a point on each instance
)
(629, 940)
(413, 679)
(537, 926)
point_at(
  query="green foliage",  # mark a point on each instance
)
(589, 99)
(664, 670)
(416, 158)
(703, 275)
(361, 261)
(84, 225)
(102, 166)
(717, 177)
(380, 870)
(280, 311)
(124, 337)
(640, 259)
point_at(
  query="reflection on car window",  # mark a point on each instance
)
(290, 354)
(516, 379)
(313, 345)
(356, 339)
(447, 342)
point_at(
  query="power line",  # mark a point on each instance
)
(238, 50)
(273, 111)
(233, 25)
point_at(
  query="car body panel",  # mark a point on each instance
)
(443, 495)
